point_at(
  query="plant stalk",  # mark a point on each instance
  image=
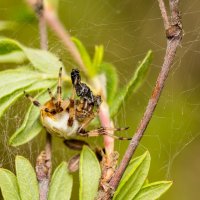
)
(174, 36)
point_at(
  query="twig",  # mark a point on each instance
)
(43, 165)
(174, 36)
(42, 25)
(53, 21)
(164, 14)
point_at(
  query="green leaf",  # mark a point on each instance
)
(14, 79)
(134, 178)
(43, 61)
(153, 191)
(89, 174)
(6, 101)
(61, 183)
(8, 185)
(84, 55)
(111, 80)
(16, 57)
(31, 125)
(26, 178)
(132, 86)
(98, 56)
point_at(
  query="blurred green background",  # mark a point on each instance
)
(127, 29)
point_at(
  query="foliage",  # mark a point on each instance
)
(89, 174)
(35, 72)
(25, 185)
(132, 186)
(38, 71)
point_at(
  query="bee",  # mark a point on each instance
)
(69, 118)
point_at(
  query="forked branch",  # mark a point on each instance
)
(173, 28)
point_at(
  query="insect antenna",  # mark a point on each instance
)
(33, 100)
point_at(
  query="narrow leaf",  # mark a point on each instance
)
(16, 57)
(153, 191)
(98, 56)
(14, 79)
(8, 100)
(84, 55)
(8, 185)
(89, 175)
(134, 179)
(132, 165)
(43, 60)
(132, 86)
(61, 183)
(31, 125)
(111, 80)
(40, 59)
(26, 178)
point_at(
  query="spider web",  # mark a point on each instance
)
(128, 29)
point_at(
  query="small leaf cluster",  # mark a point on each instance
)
(37, 70)
(114, 96)
(133, 185)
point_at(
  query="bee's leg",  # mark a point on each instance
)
(75, 144)
(87, 120)
(59, 88)
(53, 98)
(71, 109)
(33, 100)
(72, 105)
(103, 131)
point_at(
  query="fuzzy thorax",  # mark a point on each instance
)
(58, 124)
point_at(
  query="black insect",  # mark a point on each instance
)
(83, 91)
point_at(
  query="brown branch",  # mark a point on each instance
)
(43, 164)
(174, 36)
(164, 14)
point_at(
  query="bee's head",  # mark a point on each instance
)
(75, 76)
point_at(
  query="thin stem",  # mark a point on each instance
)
(43, 165)
(63, 34)
(173, 41)
(48, 151)
(164, 14)
(54, 22)
(106, 122)
(43, 34)
(39, 8)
